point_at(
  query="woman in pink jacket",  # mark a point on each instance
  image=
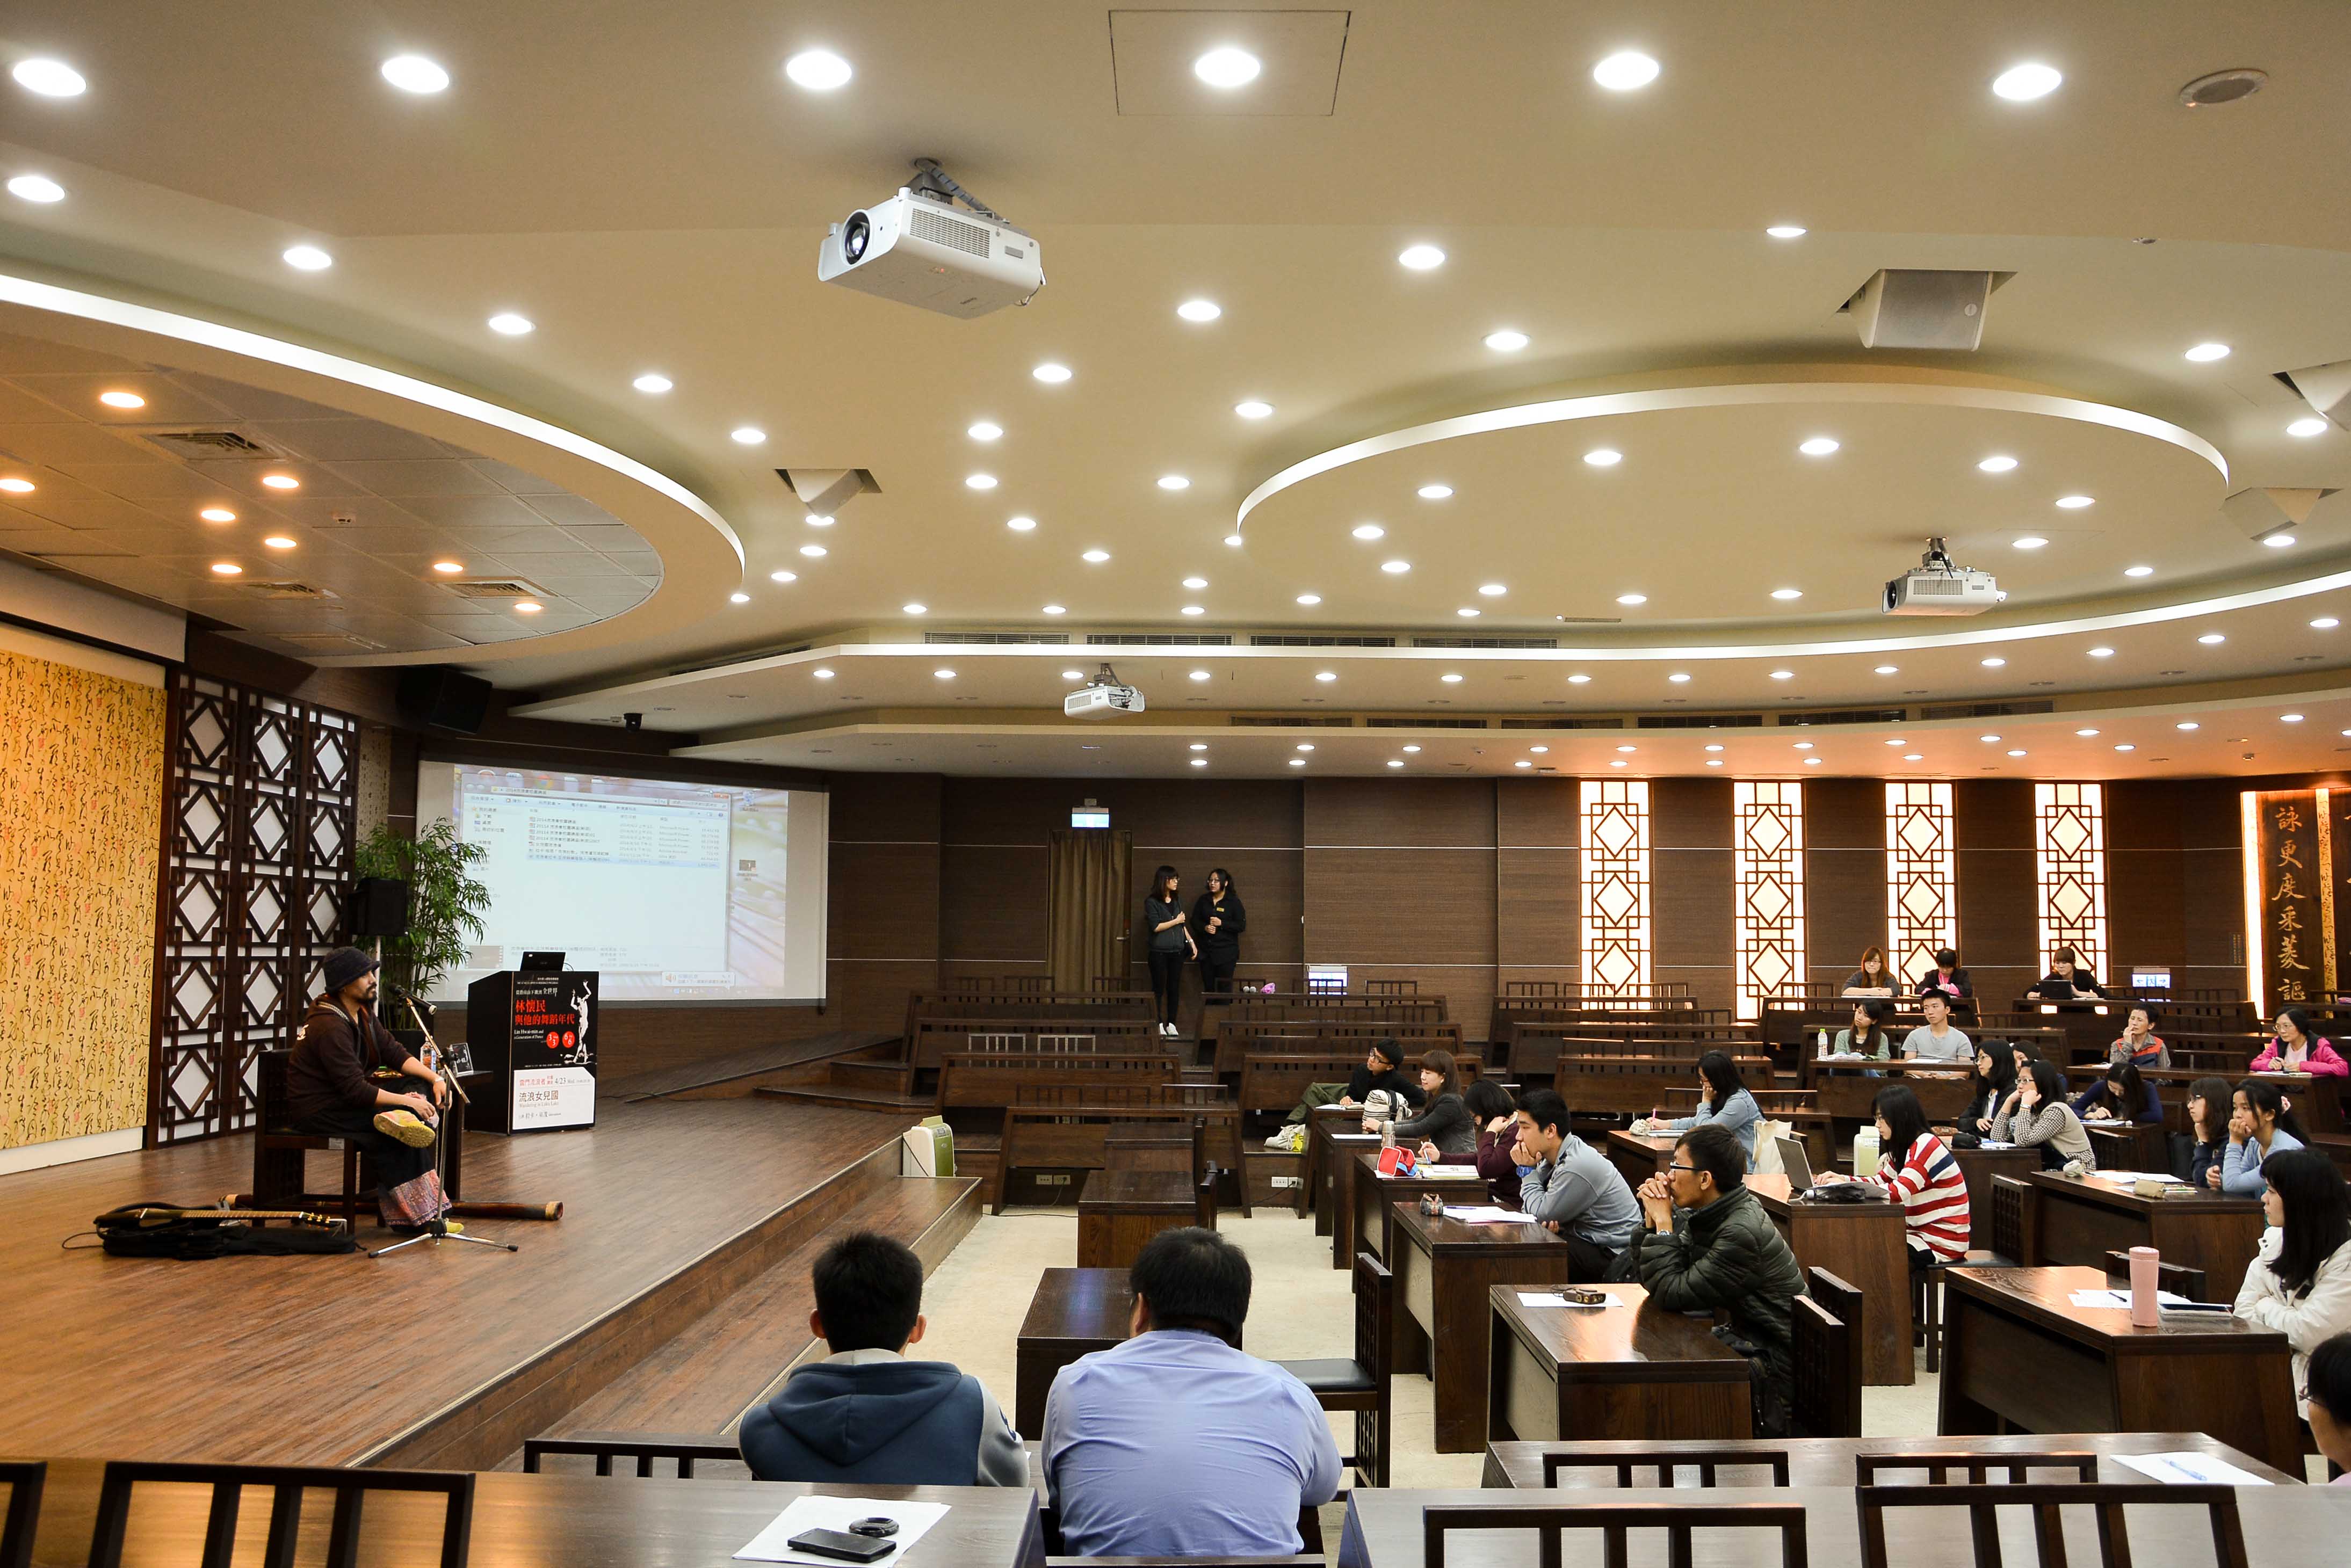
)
(2296, 1049)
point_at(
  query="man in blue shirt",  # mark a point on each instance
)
(1175, 1444)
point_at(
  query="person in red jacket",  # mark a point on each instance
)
(1491, 1106)
(2297, 1048)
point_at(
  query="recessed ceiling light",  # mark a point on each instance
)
(1450, 679)
(1522, 763)
(1174, 482)
(1603, 457)
(1578, 680)
(1628, 748)
(1817, 446)
(915, 609)
(281, 482)
(1912, 757)
(819, 70)
(1369, 531)
(1195, 582)
(652, 383)
(1252, 409)
(1714, 762)
(1616, 762)
(2030, 542)
(210, 513)
(1506, 341)
(2127, 747)
(1420, 258)
(2016, 754)
(1326, 675)
(414, 73)
(1803, 745)
(2075, 503)
(2086, 733)
(1412, 748)
(1713, 746)
(2211, 639)
(1890, 669)
(2022, 84)
(1678, 678)
(1057, 609)
(1786, 230)
(818, 520)
(2289, 718)
(1021, 524)
(279, 542)
(2279, 540)
(781, 577)
(1994, 663)
(1073, 675)
(1896, 741)
(122, 399)
(2307, 428)
(1199, 762)
(984, 431)
(1095, 557)
(1199, 310)
(1051, 373)
(1538, 750)
(307, 258)
(35, 188)
(1395, 568)
(2188, 725)
(51, 79)
(1434, 492)
(1625, 71)
(1199, 675)
(1989, 739)
(1632, 598)
(1467, 612)
(1786, 594)
(1298, 761)
(1783, 675)
(1396, 762)
(1305, 745)
(2139, 571)
(228, 568)
(1997, 464)
(2324, 623)
(813, 552)
(2204, 353)
(980, 482)
(747, 435)
(2102, 653)
(1310, 600)
(506, 324)
(738, 599)
(1197, 746)
(1227, 68)
(1196, 610)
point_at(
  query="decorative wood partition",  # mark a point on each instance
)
(260, 808)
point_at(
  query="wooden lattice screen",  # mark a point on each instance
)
(259, 809)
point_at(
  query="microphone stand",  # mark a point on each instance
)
(436, 1231)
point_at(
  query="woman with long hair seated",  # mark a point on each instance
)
(2209, 1104)
(2122, 1095)
(1871, 979)
(1495, 1113)
(1995, 1082)
(1919, 1173)
(2301, 1284)
(1722, 1097)
(2262, 1124)
(2039, 1118)
(1443, 1120)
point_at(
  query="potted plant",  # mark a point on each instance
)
(445, 905)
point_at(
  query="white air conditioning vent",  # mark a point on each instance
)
(326, 641)
(493, 589)
(287, 590)
(217, 443)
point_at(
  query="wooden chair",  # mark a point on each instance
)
(279, 1173)
(286, 1483)
(1361, 1384)
(2048, 1529)
(2012, 1200)
(1708, 1458)
(1977, 1465)
(1391, 988)
(1615, 1520)
(2178, 1278)
(1825, 1358)
(1204, 1200)
(1310, 1538)
(24, 1479)
(644, 1447)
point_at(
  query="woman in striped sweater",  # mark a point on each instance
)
(1919, 1173)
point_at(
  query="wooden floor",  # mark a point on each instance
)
(669, 1209)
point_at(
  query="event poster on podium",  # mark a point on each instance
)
(553, 1047)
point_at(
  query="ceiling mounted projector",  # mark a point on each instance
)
(1938, 588)
(917, 249)
(1101, 698)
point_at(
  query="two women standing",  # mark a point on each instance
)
(1209, 934)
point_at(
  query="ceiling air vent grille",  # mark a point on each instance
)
(286, 590)
(1699, 722)
(1611, 723)
(1418, 723)
(996, 637)
(1485, 642)
(1159, 639)
(212, 443)
(1845, 716)
(1292, 721)
(1316, 640)
(1986, 709)
(326, 643)
(493, 589)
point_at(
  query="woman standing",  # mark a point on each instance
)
(2261, 1125)
(1216, 924)
(1722, 1097)
(2139, 1044)
(2039, 1118)
(1925, 1180)
(2302, 1288)
(1445, 1121)
(1870, 979)
(2296, 1048)
(1171, 943)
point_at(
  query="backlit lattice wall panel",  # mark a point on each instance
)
(1768, 890)
(2069, 851)
(1617, 941)
(1922, 894)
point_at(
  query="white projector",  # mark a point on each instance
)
(1101, 702)
(918, 250)
(1961, 590)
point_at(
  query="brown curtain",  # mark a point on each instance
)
(1086, 913)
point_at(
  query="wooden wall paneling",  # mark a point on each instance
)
(1400, 883)
(1403, 812)
(1844, 874)
(992, 907)
(1690, 879)
(882, 925)
(1272, 888)
(1991, 822)
(2211, 876)
(1537, 881)
(2146, 884)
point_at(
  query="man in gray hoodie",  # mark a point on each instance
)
(865, 1413)
(1573, 1188)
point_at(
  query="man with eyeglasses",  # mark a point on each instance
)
(1711, 1245)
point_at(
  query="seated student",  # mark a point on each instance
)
(2260, 1124)
(1867, 1037)
(2301, 1284)
(1871, 979)
(1711, 1246)
(1925, 1180)
(1571, 1188)
(1723, 1097)
(2210, 1105)
(1946, 977)
(2140, 1044)
(2037, 1117)
(2122, 1095)
(1936, 1040)
(1445, 1121)
(2297, 1048)
(2066, 981)
(1995, 1081)
(1175, 1444)
(2326, 1383)
(1381, 1069)
(865, 1413)
(1491, 1107)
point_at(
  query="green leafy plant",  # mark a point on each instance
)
(445, 905)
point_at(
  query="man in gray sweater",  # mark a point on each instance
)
(1573, 1188)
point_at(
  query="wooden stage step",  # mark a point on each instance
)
(851, 1096)
(738, 1072)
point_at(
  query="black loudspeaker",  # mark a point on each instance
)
(435, 697)
(379, 908)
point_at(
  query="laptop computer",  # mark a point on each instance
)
(534, 961)
(1796, 1163)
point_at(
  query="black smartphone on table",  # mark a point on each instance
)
(842, 1545)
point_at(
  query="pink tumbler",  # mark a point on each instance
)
(2143, 1304)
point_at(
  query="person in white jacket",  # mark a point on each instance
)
(2301, 1284)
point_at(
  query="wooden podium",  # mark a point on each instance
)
(534, 1031)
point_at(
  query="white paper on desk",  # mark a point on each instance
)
(1553, 1298)
(1484, 1214)
(2190, 1468)
(838, 1513)
(2121, 1299)
(1991, 1142)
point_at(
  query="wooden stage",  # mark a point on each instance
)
(672, 1294)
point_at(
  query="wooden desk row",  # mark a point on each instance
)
(1831, 1461)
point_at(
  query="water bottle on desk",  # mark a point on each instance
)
(1824, 1042)
(1387, 1134)
(1864, 1154)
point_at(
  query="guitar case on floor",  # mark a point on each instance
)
(164, 1230)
